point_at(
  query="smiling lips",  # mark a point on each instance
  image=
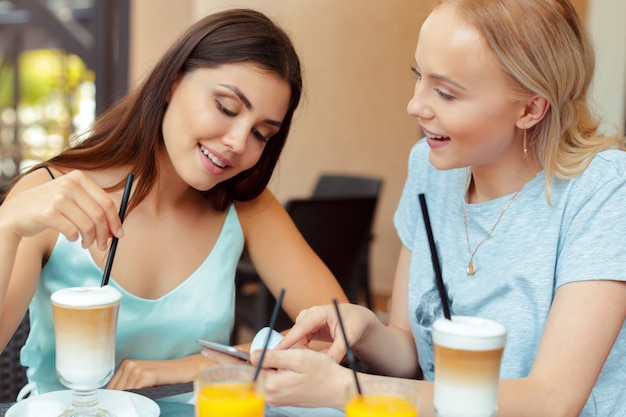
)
(433, 136)
(213, 158)
(436, 137)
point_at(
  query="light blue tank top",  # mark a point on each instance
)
(165, 328)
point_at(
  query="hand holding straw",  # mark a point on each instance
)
(435, 259)
(351, 360)
(123, 205)
(279, 301)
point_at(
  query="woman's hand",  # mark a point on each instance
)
(72, 204)
(321, 323)
(304, 378)
(135, 374)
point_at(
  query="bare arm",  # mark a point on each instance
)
(14, 298)
(379, 342)
(32, 215)
(582, 327)
(372, 341)
(309, 378)
(135, 374)
(282, 257)
(583, 324)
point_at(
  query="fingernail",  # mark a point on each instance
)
(120, 232)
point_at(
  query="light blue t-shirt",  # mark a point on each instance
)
(535, 248)
(166, 328)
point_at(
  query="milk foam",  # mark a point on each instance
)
(86, 296)
(469, 333)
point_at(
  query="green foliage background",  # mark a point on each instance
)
(42, 73)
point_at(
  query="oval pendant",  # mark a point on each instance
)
(470, 268)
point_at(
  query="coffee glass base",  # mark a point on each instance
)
(86, 404)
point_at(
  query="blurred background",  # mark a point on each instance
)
(62, 62)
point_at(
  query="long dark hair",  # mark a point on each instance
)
(129, 133)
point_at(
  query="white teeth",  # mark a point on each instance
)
(212, 157)
(436, 137)
(216, 161)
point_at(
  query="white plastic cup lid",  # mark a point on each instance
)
(258, 342)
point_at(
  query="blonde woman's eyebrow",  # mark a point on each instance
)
(440, 77)
(447, 80)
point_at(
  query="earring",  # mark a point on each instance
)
(525, 150)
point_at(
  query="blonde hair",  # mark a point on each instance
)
(545, 50)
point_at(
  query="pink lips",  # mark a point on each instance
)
(210, 166)
(434, 143)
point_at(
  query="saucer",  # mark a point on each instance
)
(122, 403)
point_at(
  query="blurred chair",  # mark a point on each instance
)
(336, 229)
(12, 373)
(342, 186)
(338, 185)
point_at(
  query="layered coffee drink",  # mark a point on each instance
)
(85, 323)
(468, 352)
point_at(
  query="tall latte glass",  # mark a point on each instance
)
(468, 352)
(85, 323)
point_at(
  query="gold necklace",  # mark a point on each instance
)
(471, 268)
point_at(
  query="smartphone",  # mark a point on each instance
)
(229, 350)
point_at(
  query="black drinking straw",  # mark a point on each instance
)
(435, 259)
(124, 203)
(279, 301)
(351, 360)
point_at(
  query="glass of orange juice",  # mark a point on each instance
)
(228, 390)
(383, 398)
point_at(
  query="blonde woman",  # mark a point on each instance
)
(526, 200)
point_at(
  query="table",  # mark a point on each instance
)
(176, 401)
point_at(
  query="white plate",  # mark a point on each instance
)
(51, 404)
